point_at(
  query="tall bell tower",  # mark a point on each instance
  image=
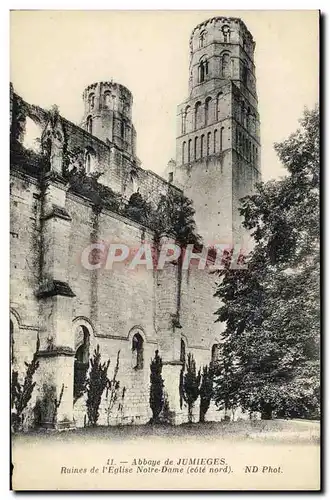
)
(218, 141)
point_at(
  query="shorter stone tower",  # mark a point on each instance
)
(108, 115)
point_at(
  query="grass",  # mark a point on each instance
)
(280, 431)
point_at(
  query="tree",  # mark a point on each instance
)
(191, 385)
(156, 398)
(21, 393)
(96, 384)
(206, 392)
(271, 309)
(112, 392)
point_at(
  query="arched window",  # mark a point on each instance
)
(226, 33)
(82, 353)
(186, 120)
(198, 107)
(248, 118)
(184, 145)
(189, 150)
(244, 74)
(203, 69)
(219, 97)
(133, 178)
(225, 66)
(202, 146)
(91, 101)
(215, 138)
(243, 113)
(89, 161)
(221, 138)
(137, 351)
(215, 353)
(89, 124)
(107, 99)
(195, 148)
(81, 362)
(182, 351)
(202, 39)
(122, 129)
(208, 110)
(208, 144)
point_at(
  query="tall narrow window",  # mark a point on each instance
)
(221, 138)
(186, 120)
(226, 65)
(226, 33)
(170, 177)
(244, 74)
(219, 97)
(107, 99)
(122, 129)
(81, 363)
(88, 163)
(198, 107)
(215, 138)
(91, 101)
(89, 124)
(208, 144)
(208, 110)
(184, 145)
(248, 118)
(137, 351)
(195, 148)
(202, 146)
(257, 159)
(202, 39)
(189, 150)
(203, 69)
(242, 112)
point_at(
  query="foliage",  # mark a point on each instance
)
(21, 393)
(227, 380)
(88, 186)
(205, 391)
(165, 416)
(191, 385)
(271, 309)
(156, 398)
(97, 382)
(175, 217)
(79, 382)
(138, 209)
(112, 390)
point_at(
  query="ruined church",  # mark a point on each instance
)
(128, 314)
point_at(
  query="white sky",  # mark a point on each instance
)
(55, 54)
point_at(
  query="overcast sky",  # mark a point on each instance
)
(55, 54)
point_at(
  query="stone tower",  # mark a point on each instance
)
(108, 114)
(218, 144)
